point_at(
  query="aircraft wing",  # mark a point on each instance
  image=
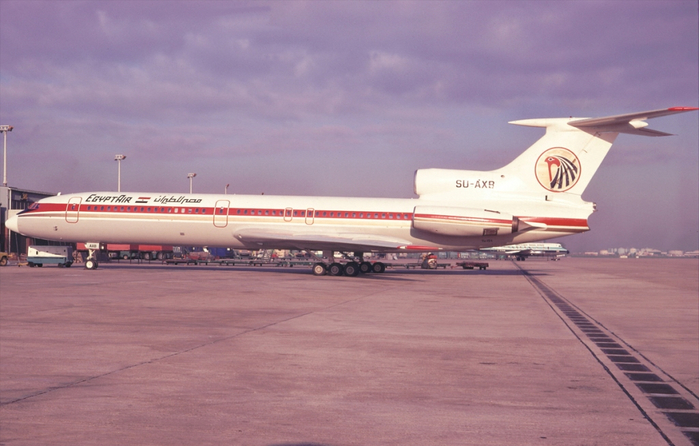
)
(256, 238)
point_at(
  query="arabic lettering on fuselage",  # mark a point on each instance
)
(163, 199)
(176, 200)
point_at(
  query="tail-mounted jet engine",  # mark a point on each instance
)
(466, 222)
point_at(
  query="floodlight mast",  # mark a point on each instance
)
(4, 129)
(118, 159)
(190, 176)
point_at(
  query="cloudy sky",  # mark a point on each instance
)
(349, 98)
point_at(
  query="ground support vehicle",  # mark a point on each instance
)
(473, 265)
(57, 255)
(153, 252)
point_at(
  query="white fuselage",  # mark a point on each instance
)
(260, 221)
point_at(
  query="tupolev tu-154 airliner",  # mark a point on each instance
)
(535, 197)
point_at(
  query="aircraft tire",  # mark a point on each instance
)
(90, 264)
(335, 269)
(319, 269)
(365, 267)
(352, 269)
(378, 267)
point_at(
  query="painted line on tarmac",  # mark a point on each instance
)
(668, 405)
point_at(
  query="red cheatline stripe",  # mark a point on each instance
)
(43, 208)
(556, 221)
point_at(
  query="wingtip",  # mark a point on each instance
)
(681, 109)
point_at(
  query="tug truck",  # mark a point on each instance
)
(58, 255)
(150, 252)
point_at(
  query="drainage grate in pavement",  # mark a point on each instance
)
(615, 351)
(645, 377)
(625, 359)
(678, 410)
(684, 419)
(662, 389)
(671, 402)
(633, 367)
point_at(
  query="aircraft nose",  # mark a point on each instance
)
(12, 224)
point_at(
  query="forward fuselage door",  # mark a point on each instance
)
(73, 209)
(221, 213)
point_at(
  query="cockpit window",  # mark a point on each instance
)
(33, 206)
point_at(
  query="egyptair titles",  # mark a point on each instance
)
(125, 199)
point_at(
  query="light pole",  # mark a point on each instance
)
(118, 159)
(4, 129)
(190, 176)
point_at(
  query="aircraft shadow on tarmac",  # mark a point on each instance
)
(390, 274)
(300, 444)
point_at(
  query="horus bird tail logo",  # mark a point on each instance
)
(558, 169)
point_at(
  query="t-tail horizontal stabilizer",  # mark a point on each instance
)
(632, 123)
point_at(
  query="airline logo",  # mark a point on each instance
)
(557, 169)
(142, 200)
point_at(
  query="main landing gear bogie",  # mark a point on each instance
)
(351, 269)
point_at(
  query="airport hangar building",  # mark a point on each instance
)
(13, 200)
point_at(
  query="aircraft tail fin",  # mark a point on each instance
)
(563, 161)
(568, 155)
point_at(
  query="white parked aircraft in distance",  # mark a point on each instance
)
(524, 250)
(535, 197)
